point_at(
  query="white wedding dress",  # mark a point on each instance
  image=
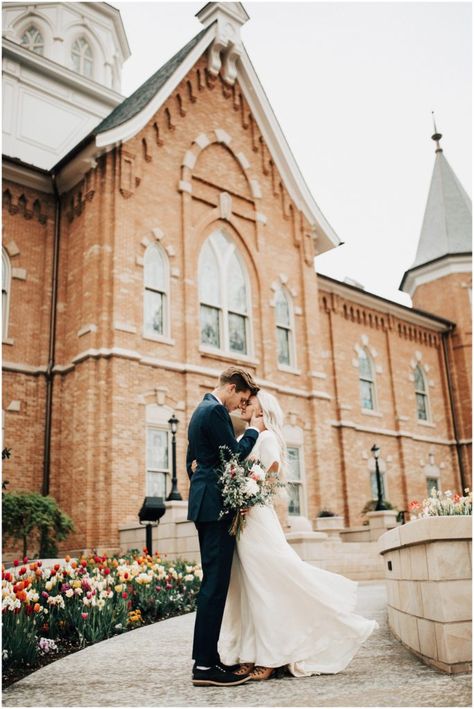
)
(281, 610)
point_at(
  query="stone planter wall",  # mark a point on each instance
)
(428, 574)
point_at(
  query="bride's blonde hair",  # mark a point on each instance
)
(273, 419)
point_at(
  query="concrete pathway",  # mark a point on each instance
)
(151, 667)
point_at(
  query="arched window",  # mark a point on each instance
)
(6, 279)
(224, 296)
(82, 57)
(366, 381)
(32, 39)
(156, 282)
(284, 327)
(421, 395)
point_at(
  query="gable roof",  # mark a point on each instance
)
(127, 119)
(144, 94)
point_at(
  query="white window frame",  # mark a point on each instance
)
(294, 438)
(222, 308)
(81, 71)
(372, 381)
(6, 291)
(150, 469)
(166, 334)
(27, 29)
(291, 331)
(425, 393)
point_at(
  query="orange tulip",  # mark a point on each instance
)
(37, 608)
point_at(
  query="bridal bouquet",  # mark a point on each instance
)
(244, 484)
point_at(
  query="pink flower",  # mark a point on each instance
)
(84, 615)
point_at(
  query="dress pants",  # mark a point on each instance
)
(217, 550)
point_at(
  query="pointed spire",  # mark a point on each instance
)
(436, 136)
(447, 223)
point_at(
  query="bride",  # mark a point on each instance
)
(281, 610)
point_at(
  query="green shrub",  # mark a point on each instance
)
(30, 518)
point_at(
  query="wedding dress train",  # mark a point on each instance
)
(281, 610)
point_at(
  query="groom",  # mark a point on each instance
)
(209, 429)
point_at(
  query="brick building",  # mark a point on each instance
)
(146, 251)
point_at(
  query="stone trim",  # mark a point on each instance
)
(345, 423)
(86, 329)
(19, 273)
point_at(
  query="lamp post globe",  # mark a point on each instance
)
(173, 423)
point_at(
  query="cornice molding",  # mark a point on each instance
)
(26, 175)
(71, 79)
(382, 305)
(438, 268)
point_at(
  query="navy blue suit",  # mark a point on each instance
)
(211, 427)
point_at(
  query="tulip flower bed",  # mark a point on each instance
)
(50, 612)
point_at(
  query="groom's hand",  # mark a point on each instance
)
(257, 422)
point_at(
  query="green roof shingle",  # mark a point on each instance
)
(144, 94)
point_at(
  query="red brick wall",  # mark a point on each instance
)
(107, 376)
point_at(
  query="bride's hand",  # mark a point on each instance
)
(257, 422)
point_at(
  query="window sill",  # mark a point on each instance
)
(289, 370)
(158, 338)
(429, 424)
(226, 356)
(8, 341)
(369, 412)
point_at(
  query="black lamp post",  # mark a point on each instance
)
(380, 503)
(152, 510)
(174, 494)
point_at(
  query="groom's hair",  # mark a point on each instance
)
(243, 380)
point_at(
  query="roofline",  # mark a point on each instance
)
(108, 9)
(367, 295)
(412, 270)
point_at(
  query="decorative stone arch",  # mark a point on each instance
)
(203, 140)
(36, 18)
(363, 343)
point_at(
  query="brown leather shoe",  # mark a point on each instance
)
(260, 673)
(244, 668)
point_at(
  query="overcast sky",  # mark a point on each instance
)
(352, 85)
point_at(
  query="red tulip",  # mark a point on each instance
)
(22, 571)
(57, 567)
(25, 560)
(106, 571)
(124, 595)
(16, 562)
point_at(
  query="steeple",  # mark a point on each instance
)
(446, 233)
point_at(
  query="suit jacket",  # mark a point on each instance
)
(211, 427)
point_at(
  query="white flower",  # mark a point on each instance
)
(189, 577)
(250, 487)
(69, 593)
(257, 471)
